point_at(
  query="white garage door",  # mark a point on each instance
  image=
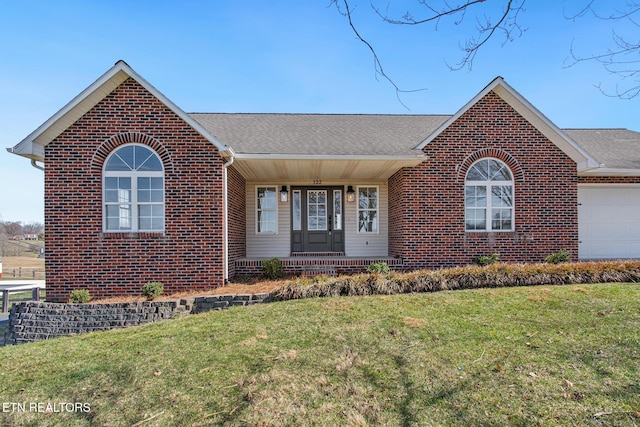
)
(609, 222)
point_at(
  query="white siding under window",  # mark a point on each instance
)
(368, 243)
(279, 244)
(274, 244)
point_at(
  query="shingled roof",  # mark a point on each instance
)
(327, 134)
(379, 134)
(614, 148)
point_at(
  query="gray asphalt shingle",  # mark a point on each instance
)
(373, 134)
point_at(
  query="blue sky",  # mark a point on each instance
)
(283, 56)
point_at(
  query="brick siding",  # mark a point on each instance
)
(237, 218)
(188, 255)
(426, 204)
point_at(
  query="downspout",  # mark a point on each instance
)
(33, 161)
(35, 165)
(225, 204)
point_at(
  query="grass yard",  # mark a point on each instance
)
(28, 263)
(554, 355)
(24, 261)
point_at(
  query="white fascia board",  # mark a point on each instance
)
(544, 125)
(173, 107)
(604, 171)
(74, 109)
(458, 114)
(253, 156)
(606, 185)
(33, 145)
(530, 113)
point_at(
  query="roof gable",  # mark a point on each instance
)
(583, 159)
(33, 145)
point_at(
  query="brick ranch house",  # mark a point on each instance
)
(137, 190)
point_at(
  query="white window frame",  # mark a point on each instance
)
(274, 209)
(377, 209)
(488, 185)
(133, 175)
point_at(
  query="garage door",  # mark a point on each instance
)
(609, 222)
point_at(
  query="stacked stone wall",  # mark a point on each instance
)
(36, 321)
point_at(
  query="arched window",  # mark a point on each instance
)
(488, 197)
(133, 190)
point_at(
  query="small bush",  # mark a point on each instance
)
(559, 257)
(152, 290)
(272, 268)
(484, 260)
(470, 277)
(378, 267)
(79, 296)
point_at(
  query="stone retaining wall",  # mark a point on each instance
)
(36, 321)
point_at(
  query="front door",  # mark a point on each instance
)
(317, 219)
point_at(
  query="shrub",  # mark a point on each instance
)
(79, 296)
(378, 267)
(272, 268)
(484, 260)
(152, 290)
(559, 257)
(470, 277)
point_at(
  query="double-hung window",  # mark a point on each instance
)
(266, 210)
(133, 190)
(489, 197)
(367, 209)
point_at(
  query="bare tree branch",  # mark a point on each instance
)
(376, 60)
(408, 19)
(623, 60)
(507, 23)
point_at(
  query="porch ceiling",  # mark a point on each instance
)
(255, 167)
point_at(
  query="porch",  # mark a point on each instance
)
(316, 264)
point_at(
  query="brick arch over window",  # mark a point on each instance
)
(116, 141)
(516, 169)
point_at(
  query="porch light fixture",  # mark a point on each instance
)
(351, 194)
(284, 194)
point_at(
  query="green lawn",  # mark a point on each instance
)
(555, 355)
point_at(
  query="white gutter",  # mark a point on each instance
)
(265, 156)
(605, 171)
(225, 204)
(33, 161)
(35, 165)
